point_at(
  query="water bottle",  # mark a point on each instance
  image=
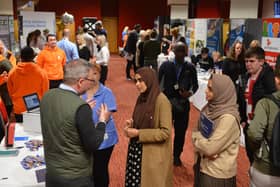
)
(216, 69)
(197, 67)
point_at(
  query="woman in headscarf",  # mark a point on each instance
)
(217, 154)
(149, 158)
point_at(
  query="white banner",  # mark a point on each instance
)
(200, 35)
(271, 44)
(36, 20)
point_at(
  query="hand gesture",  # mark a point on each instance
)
(184, 93)
(104, 113)
(129, 123)
(131, 132)
(91, 102)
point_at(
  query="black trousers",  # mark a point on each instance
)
(128, 67)
(100, 171)
(103, 75)
(180, 120)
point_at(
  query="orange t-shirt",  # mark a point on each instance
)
(52, 60)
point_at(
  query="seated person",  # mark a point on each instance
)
(204, 60)
(217, 59)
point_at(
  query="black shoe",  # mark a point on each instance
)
(177, 161)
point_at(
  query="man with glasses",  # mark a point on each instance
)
(69, 134)
(260, 82)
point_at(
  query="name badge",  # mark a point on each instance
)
(176, 86)
(106, 136)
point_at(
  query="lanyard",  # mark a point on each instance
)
(178, 68)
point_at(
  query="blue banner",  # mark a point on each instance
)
(214, 33)
(237, 30)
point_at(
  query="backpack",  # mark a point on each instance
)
(273, 146)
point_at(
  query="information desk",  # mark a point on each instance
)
(12, 173)
(198, 99)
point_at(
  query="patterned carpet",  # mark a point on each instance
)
(126, 94)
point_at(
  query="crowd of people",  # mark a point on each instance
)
(239, 81)
(77, 108)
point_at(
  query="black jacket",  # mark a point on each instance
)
(205, 64)
(132, 39)
(264, 85)
(187, 79)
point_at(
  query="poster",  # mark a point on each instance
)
(214, 33)
(237, 30)
(190, 36)
(200, 35)
(36, 20)
(4, 30)
(13, 44)
(271, 39)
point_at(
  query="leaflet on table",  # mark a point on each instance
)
(41, 175)
(206, 126)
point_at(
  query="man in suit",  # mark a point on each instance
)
(179, 80)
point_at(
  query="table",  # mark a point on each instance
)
(12, 173)
(199, 97)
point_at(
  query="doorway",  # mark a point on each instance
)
(111, 25)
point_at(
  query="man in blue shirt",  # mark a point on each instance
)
(68, 47)
(99, 30)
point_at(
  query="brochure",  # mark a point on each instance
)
(206, 126)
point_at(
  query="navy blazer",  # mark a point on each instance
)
(186, 80)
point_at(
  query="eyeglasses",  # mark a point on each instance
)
(91, 80)
(138, 80)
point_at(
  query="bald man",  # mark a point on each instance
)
(68, 47)
(179, 83)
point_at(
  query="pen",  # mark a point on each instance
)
(4, 178)
(19, 147)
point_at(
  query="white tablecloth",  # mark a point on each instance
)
(198, 99)
(12, 173)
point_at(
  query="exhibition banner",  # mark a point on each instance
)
(4, 30)
(271, 39)
(36, 20)
(190, 36)
(200, 35)
(214, 33)
(237, 30)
